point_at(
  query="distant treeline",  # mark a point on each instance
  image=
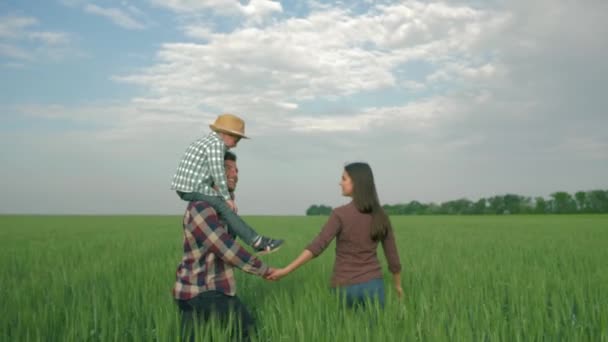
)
(582, 202)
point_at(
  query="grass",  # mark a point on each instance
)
(474, 278)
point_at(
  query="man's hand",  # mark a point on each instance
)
(232, 206)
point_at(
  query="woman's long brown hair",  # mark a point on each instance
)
(366, 199)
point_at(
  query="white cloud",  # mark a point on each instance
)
(116, 15)
(92, 114)
(328, 55)
(197, 5)
(331, 124)
(287, 105)
(15, 26)
(198, 32)
(255, 11)
(19, 28)
(14, 52)
(258, 10)
(20, 40)
(50, 38)
(268, 73)
(72, 3)
(418, 117)
(467, 73)
(14, 65)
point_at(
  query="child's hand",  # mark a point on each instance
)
(232, 205)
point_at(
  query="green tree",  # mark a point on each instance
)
(433, 209)
(563, 203)
(315, 210)
(459, 206)
(480, 207)
(598, 201)
(512, 203)
(540, 205)
(581, 201)
(497, 205)
(527, 207)
(415, 208)
(560, 202)
(389, 209)
(312, 210)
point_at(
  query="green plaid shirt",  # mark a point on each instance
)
(202, 167)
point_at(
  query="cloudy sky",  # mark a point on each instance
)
(99, 99)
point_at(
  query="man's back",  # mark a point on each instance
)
(210, 253)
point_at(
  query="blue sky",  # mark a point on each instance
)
(99, 99)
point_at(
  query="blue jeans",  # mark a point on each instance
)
(357, 294)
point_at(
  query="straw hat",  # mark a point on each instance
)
(230, 124)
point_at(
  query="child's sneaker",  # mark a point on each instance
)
(267, 246)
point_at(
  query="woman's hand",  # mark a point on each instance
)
(399, 291)
(277, 274)
(397, 283)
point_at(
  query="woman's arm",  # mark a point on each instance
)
(397, 283)
(392, 257)
(316, 247)
(279, 273)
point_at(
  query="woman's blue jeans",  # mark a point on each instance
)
(358, 294)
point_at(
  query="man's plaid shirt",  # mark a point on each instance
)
(210, 253)
(202, 168)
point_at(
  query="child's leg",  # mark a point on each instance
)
(236, 225)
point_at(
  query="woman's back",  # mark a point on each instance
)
(356, 257)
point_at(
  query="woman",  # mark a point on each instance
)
(358, 228)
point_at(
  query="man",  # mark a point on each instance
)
(205, 283)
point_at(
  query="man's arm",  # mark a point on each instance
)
(211, 233)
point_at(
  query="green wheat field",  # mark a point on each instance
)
(473, 278)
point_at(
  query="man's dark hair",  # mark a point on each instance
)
(229, 156)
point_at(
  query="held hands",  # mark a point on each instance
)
(276, 274)
(279, 273)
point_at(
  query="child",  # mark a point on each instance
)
(200, 177)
